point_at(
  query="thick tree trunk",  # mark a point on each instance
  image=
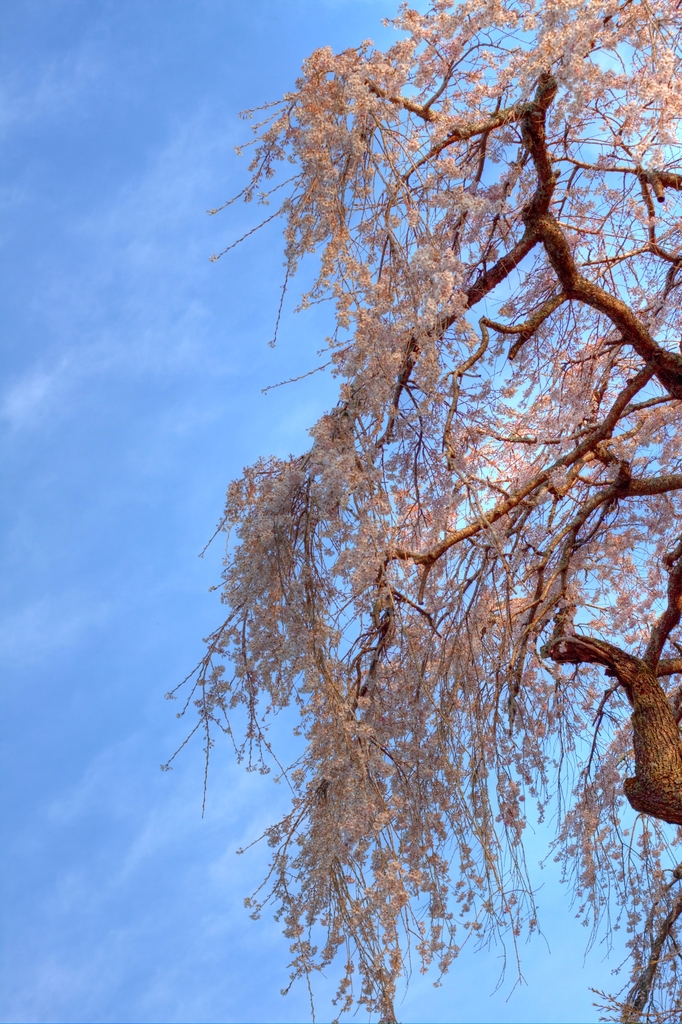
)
(656, 788)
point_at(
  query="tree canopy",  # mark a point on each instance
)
(470, 587)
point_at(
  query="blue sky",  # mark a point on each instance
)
(131, 395)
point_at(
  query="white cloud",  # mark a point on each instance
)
(58, 88)
(36, 632)
(33, 392)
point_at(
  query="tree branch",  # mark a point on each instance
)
(656, 788)
(640, 992)
(670, 617)
(527, 329)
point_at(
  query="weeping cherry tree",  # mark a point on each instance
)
(469, 588)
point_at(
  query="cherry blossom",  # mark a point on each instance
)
(469, 588)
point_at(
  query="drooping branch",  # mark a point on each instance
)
(673, 612)
(490, 278)
(640, 993)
